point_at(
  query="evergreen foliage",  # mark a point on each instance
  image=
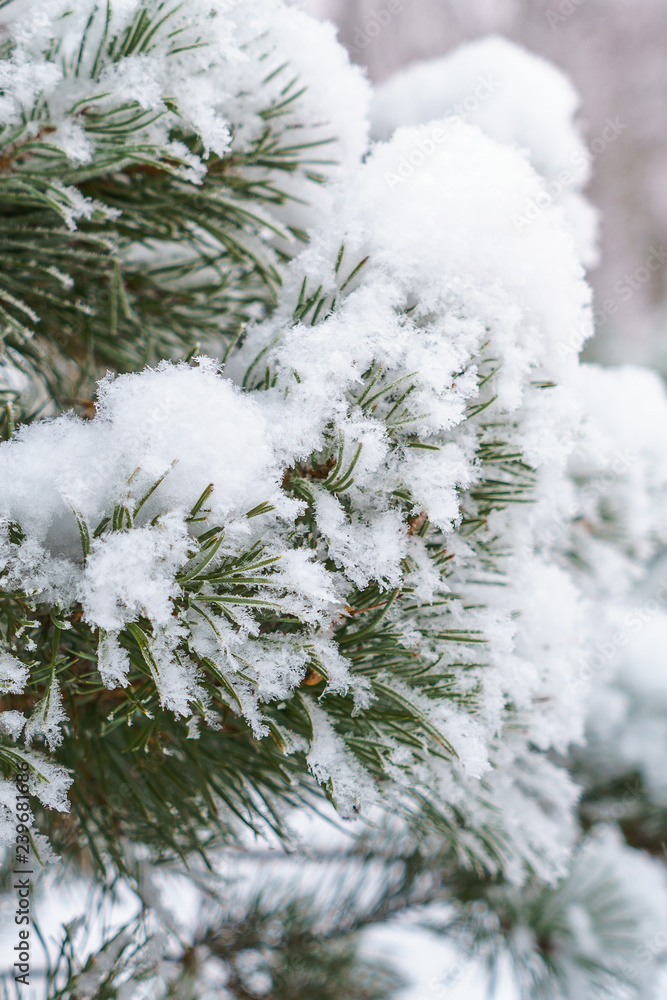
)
(298, 555)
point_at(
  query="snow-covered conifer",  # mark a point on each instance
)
(345, 517)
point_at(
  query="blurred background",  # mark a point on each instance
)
(614, 51)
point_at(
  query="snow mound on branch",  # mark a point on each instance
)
(129, 574)
(201, 421)
(444, 273)
(513, 96)
(98, 514)
(146, 76)
(619, 476)
(159, 441)
(189, 425)
(453, 217)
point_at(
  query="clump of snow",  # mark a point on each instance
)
(113, 661)
(48, 781)
(13, 674)
(332, 763)
(12, 723)
(432, 213)
(162, 442)
(298, 52)
(47, 717)
(513, 96)
(366, 551)
(187, 424)
(132, 574)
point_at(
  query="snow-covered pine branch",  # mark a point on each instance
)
(347, 543)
